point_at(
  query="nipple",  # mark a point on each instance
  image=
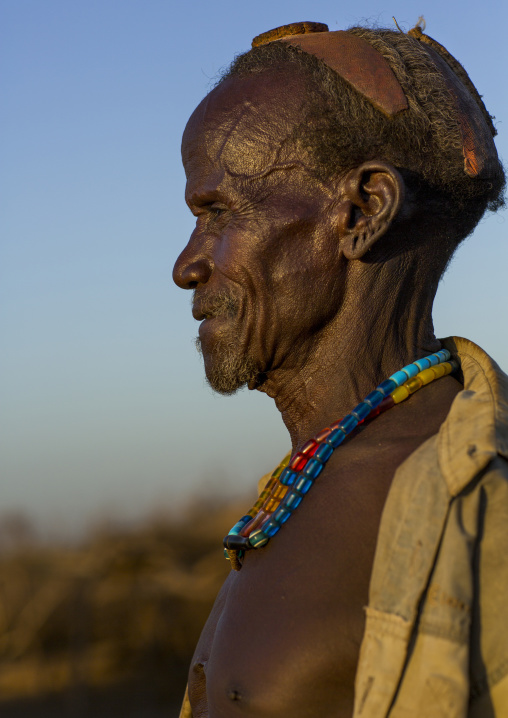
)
(234, 695)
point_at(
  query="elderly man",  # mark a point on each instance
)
(332, 175)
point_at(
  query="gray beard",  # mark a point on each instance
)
(230, 370)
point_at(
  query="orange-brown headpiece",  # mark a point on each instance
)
(363, 67)
(350, 56)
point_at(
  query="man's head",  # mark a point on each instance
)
(293, 174)
(265, 237)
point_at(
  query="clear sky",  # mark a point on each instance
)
(104, 405)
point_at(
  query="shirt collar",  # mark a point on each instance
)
(476, 428)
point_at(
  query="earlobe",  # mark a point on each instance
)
(372, 194)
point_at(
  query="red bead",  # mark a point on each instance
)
(298, 462)
(308, 446)
(323, 434)
(254, 524)
(386, 404)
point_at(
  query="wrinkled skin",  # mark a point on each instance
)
(292, 303)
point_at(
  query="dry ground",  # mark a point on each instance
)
(107, 627)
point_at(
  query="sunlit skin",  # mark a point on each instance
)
(327, 297)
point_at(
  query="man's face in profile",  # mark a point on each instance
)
(263, 259)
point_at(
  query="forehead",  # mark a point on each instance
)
(244, 126)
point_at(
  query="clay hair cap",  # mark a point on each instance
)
(476, 128)
(351, 57)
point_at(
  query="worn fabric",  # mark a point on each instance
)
(436, 637)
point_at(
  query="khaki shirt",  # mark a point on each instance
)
(436, 634)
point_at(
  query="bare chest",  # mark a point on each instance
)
(285, 634)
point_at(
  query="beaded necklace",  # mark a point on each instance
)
(296, 474)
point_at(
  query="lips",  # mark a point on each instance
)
(200, 312)
(221, 304)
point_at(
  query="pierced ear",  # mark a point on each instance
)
(372, 195)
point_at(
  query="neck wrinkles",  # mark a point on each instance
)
(385, 322)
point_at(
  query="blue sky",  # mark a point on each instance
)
(104, 407)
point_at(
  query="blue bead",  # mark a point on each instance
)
(362, 411)
(303, 484)
(410, 370)
(270, 528)
(374, 398)
(323, 453)
(312, 469)
(433, 359)
(240, 524)
(423, 363)
(258, 539)
(287, 478)
(443, 355)
(237, 528)
(292, 500)
(281, 515)
(399, 377)
(348, 423)
(335, 438)
(387, 386)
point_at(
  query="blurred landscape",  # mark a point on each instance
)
(107, 625)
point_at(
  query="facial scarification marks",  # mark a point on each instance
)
(241, 127)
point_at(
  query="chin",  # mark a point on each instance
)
(227, 369)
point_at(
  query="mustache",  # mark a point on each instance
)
(206, 304)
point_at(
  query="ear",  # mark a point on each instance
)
(372, 195)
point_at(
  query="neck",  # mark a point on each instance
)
(381, 327)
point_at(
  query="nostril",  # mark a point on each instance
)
(189, 272)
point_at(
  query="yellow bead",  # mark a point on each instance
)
(285, 460)
(427, 375)
(413, 384)
(400, 394)
(271, 505)
(280, 491)
(439, 370)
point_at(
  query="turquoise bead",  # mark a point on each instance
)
(291, 501)
(362, 411)
(240, 524)
(423, 363)
(399, 377)
(411, 370)
(312, 469)
(258, 539)
(287, 478)
(303, 484)
(387, 386)
(323, 453)
(348, 423)
(374, 398)
(281, 515)
(335, 438)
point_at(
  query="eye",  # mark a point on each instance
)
(216, 211)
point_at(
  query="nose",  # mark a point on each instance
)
(192, 267)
